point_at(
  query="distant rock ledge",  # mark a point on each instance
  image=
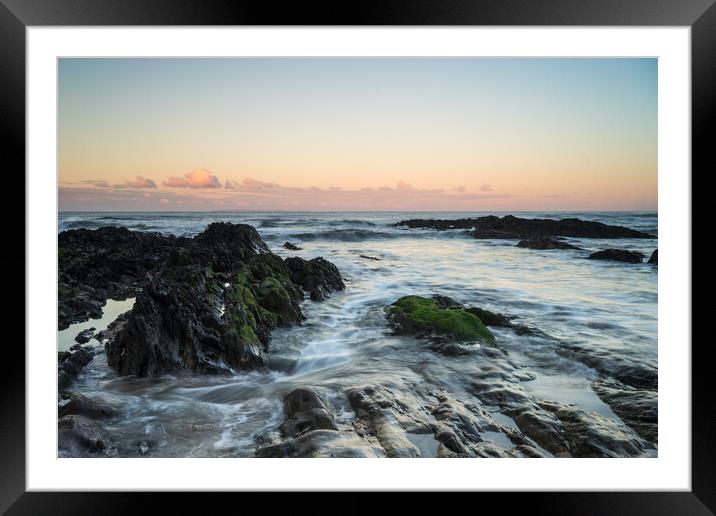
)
(511, 227)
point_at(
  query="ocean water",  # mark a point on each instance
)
(601, 306)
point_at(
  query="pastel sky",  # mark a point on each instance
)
(357, 134)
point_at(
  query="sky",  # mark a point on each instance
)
(296, 134)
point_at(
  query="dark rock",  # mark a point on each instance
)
(544, 243)
(78, 436)
(305, 411)
(638, 408)
(489, 318)
(84, 336)
(114, 327)
(511, 227)
(621, 255)
(214, 304)
(81, 405)
(369, 257)
(317, 276)
(109, 262)
(70, 365)
(446, 302)
(654, 258)
(291, 247)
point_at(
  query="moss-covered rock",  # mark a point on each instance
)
(211, 308)
(415, 315)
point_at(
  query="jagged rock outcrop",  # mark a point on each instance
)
(318, 276)
(511, 227)
(213, 305)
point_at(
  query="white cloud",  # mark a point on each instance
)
(139, 182)
(197, 178)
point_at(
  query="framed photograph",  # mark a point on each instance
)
(427, 248)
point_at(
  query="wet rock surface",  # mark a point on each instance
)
(636, 374)
(213, 305)
(290, 246)
(618, 255)
(79, 436)
(71, 363)
(638, 408)
(511, 227)
(306, 411)
(654, 258)
(84, 336)
(310, 431)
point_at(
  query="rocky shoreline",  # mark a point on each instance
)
(209, 305)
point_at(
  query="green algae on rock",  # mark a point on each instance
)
(415, 315)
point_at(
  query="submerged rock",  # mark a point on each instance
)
(213, 306)
(640, 375)
(419, 316)
(544, 243)
(291, 247)
(620, 255)
(654, 258)
(84, 336)
(367, 257)
(81, 405)
(511, 227)
(78, 436)
(318, 276)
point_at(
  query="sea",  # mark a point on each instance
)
(607, 307)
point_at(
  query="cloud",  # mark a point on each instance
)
(459, 189)
(404, 187)
(251, 185)
(197, 178)
(97, 183)
(231, 185)
(486, 188)
(139, 182)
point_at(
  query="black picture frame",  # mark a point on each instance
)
(17, 15)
